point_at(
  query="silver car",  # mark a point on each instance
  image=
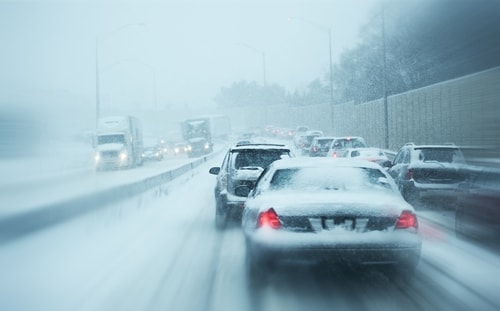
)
(340, 144)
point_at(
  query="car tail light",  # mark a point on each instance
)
(223, 181)
(315, 149)
(409, 174)
(334, 154)
(269, 219)
(407, 220)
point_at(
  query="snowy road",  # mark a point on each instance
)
(38, 188)
(160, 251)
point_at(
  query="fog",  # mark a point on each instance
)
(73, 236)
(194, 47)
(160, 250)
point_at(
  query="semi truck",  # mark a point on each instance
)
(199, 132)
(118, 142)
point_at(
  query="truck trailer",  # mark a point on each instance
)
(199, 132)
(118, 142)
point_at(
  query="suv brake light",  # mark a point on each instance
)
(407, 220)
(269, 219)
(223, 181)
(409, 174)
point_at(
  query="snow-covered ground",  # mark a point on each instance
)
(64, 171)
(161, 251)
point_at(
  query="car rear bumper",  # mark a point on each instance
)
(403, 249)
(430, 191)
(232, 206)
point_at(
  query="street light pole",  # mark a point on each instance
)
(97, 89)
(327, 30)
(264, 68)
(384, 81)
(263, 55)
(331, 79)
(97, 97)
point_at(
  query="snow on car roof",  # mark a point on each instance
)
(445, 145)
(435, 147)
(259, 147)
(325, 137)
(327, 162)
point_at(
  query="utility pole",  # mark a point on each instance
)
(328, 31)
(331, 79)
(263, 55)
(97, 68)
(384, 80)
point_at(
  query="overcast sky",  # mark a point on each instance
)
(192, 48)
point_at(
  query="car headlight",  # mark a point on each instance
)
(123, 155)
(97, 157)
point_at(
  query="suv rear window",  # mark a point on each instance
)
(440, 155)
(344, 143)
(254, 157)
(324, 142)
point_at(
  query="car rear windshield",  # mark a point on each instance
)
(332, 178)
(440, 155)
(324, 142)
(259, 158)
(348, 143)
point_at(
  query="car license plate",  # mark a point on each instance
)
(333, 224)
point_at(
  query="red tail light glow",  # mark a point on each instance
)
(407, 220)
(334, 155)
(269, 219)
(223, 181)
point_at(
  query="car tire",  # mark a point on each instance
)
(220, 217)
(411, 196)
(258, 271)
(401, 275)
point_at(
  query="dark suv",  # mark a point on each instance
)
(428, 171)
(241, 166)
(478, 205)
(320, 146)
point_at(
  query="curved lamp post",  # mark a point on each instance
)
(97, 41)
(263, 55)
(328, 31)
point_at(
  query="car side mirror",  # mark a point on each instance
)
(214, 170)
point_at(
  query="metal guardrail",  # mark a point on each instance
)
(19, 225)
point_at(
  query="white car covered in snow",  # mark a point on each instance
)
(327, 210)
